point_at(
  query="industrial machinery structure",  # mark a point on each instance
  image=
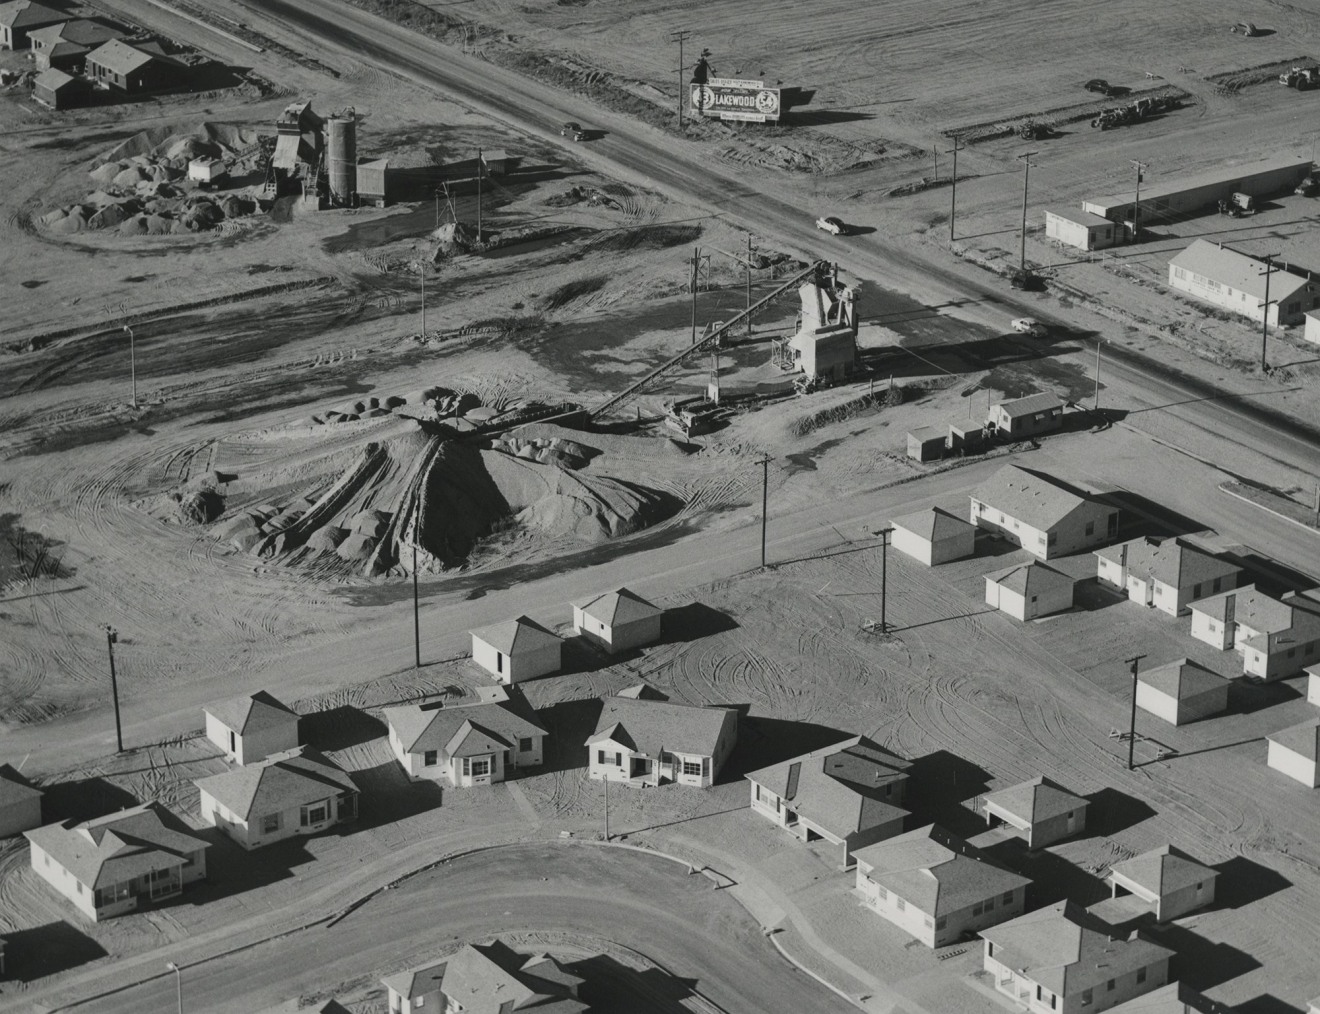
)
(823, 346)
(299, 147)
(341, 158)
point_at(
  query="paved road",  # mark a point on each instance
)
(642, 903)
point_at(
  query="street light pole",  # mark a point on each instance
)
(1265, 310)
(953, 201)
(417, 622)
(1132, 726)
(884, 577)
(111, 639)
(1026, 177)
(1140, 167)
(765, 502)
(132, 361)
(178, 982)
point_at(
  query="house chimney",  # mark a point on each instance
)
(1122, 557)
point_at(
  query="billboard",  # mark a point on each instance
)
(734, 99)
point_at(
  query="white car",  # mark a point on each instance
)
(1029, 326)
(834, 226)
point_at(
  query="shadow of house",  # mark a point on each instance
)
(1053, 878)
(1091, 596)
(765, 741)
(1243, 882)
(1266, 1003)
(568, 724)
(84, 799)
(1246, 697)
(340, 728)
(613, 986)
(52, 949)
(1111, 811)
(387, 794)
(939, 784)
(1198, 962)
(1149, 517)
(693, 622)
(232, 869)
(1270, 576)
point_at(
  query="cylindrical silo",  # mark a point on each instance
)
(341, 158)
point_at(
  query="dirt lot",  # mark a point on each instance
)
(260, 346)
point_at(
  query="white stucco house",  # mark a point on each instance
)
(1182, 691)
(1165, 574)
(1028, 590)
(934, 536)
(618, 620)
(645, 742)
(252, 727)
(1163, 881)
(517, 650)
(1041, 811)
(1044, 515)
(1277, 637)
(1296, 752)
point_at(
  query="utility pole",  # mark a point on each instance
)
(1265, 310)
(696, 254)
(884, 577)
(1140, 167)
(132, 362)
(1026, 177)
(607, 806)
(480, 163)
(749, 285)
(1098, 343)
(422, 274)
(417, 622)
(178, 982)
(765, 502)
(680, 36)
(111, 639)
(953, 201)
(936, 152)
(1132, 726)
(437, 207)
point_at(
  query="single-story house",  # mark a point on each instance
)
(1313, 684)
(934, 536)
(1026, 417)
(1173, 998)
(497, 161)
(251, 728)
(1081, 229)
(618, 620)
(1045, 516)
(645, 742)
(297, 792)
(927, 443)
(133, 67)
(1042, 811)
(1162, 881)
(486, 979)
(1168, 574)
(1236, 282)
(1277, 637)
(109, 865)
(1182, 691)
(467, 744)
(20, 18)
(20, 802)
(65, 46)
(847, 794)
(58, 90)
(1027, 590)
(933, 885)
(1296, 752)
(1062, 960)
(966, 437)
(517, 650)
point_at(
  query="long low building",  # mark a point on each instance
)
(1236, 282)
(1081, 229)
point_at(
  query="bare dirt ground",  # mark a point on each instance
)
(258, 383)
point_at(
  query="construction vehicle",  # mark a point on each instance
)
(1030, 130)
(1244, 28)
(1237, 205)
(692, 417)
(1307, 187)
(1138, 109)
(1301, 78)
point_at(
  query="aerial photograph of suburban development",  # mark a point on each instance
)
(641, 507)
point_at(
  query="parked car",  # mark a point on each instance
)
(1021, 278)
(569, 129)
(834, 226)
(1099, 84)
(1029, 326)
(1245, 28)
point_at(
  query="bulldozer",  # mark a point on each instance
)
(1301, 78)
(1030, 130)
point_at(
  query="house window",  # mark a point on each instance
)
(600, 756)
(1033, 599)
(314, 814)
(525, 744)
(1109, 986)
(1196, 590)
(1090, 528)
(941, 922)
(480, 767)
(930, 923)
(1088, 997)
(430, 758)
(881, 893)
(900, 904)
(467, 765)
(499, 661)
(1053, 538)
(618, 760)
(1292, 652)
(692, 768)
(420, 1002)
(1007, 899)
(989, 949)
(977, 909)
(989, 904)
(1141, 975)
(233, 743)
(270, 823)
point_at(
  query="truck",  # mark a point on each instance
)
(1236, 205)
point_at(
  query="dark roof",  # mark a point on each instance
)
(839, 787)
(25, 14)
(618, 607)
(119, 847)
(1040, 500)
(1164, 870)
(651, 726)
(121, 58)
(1030, 405)
(1031, 579)
(80, 31)
(1302, 739)
(1170, 561)
(933, 524)
(515, 636)
(1184, 679)
(1037, 800)
(935, 871)
(278, 783)
(1067, 950)
(14, 788)
(253, 713)
(490, 978)
(504, 718)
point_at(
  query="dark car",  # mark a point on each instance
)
(1028, 281)
(569, 129)
(1099, 84)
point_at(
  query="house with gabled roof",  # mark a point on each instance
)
(935, 886)
(1061, 959)
(1045, 516)
(618, 620)
(114, 864)
(1165, 574)
(1027, 590)
(1236, 282)
(1164, 882)
(1277, 637)
(934, 536)
(65, 46)
(252, 727)
(1040, 810)
(19, 18)
(486, 979)
(1296, 752)
(295, 792)
(1019, 418)
(1182, 691)
(1173, 998)
(58, 90)
(848, 794)
(517, 650)
(470, 743)
(20, 802)
(133, 67)
(646, 742)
